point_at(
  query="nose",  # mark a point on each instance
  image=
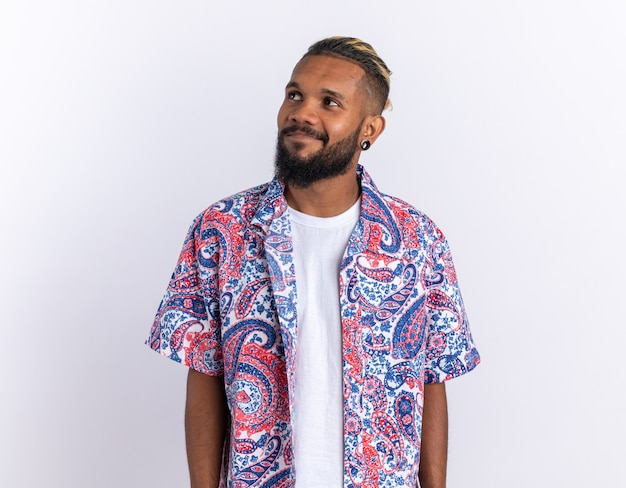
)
(303, 112)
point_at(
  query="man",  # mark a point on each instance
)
(319, 317)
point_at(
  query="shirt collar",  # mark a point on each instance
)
(376, 231)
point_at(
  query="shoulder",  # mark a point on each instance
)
(412, 220)
(240, 207)
(403, 209)
(396, 211)
(230, 215)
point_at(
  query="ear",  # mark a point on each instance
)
(373, 126)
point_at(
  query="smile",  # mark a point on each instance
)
(301, 136)
(303, 133)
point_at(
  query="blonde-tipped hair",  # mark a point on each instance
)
(378, 75)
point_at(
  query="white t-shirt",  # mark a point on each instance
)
(319, 244)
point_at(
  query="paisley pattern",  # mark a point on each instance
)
(230, 309)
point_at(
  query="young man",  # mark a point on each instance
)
(318, 317)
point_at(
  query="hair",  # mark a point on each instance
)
(377, 74)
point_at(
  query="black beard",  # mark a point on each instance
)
(328, 162)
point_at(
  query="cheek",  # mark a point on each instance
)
(281, 117)
(340, 131)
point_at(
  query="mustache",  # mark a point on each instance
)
(306, 130)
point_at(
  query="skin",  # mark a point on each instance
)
(206, 420)
(434, 452)
(328, 95)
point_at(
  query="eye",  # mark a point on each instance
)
(330, 102)
(295, 96)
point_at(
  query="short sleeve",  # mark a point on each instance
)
(186, 327)
(450, 349)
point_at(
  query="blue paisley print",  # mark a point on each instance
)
(230, 309)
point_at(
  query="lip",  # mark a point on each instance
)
(300, 136)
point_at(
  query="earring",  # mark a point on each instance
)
(365, 144)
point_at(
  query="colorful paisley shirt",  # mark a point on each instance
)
(230, 309)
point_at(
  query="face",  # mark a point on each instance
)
(320, 121)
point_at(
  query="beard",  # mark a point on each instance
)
(330, 161)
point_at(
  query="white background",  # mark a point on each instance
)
(121, 120)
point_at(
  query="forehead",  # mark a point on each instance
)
(328, 73)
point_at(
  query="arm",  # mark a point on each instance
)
(434, 452)
(205, 428)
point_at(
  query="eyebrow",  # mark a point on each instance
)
(327, 91)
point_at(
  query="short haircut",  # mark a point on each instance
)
(378, 75)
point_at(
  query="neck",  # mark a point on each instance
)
(326, 198)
